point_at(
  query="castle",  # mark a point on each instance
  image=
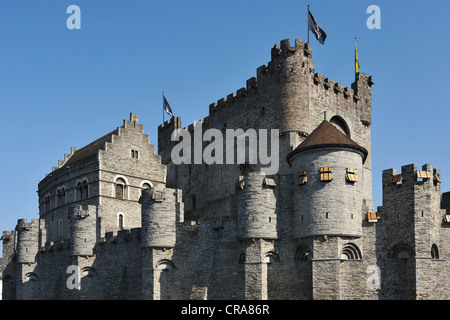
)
(138, 226)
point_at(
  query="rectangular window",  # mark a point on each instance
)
(326, 174)
(302, 178)
(119, 191)
(351, 175)
(134, 154)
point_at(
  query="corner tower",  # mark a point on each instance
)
(415, 233)
(328, 204)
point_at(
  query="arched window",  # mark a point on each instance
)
(120, 188)
(47, 203)
(31, 276)
(58, 197)
(84, 190)
(145, 186)
(78, 191)
(271, 257)
(350, 251)
(434, 252)
(165, 264)
(121, 222)
(303, 254)
(63, 196)
(242, 258)
(340, 124)
(60, 229)
(401, 251)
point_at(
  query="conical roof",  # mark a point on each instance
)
(326, 135)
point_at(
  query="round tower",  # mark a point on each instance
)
(27, 240)
(82, 230)
(295, 71)
(257, 217)
(158, 218)
(328, 198)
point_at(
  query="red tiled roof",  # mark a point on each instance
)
(326, 135)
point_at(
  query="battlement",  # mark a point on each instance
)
(24, 225)
(278, 52)
(6, 236)
(53, 246)
(277, 66)
(411, 176)
(121, 236)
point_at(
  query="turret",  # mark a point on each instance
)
(27, 240)
(411, 207)
(414, 234)
(160, 211)
(257, 217)
(295, 70)
(362, 88)
(328, 195)
(83, 229)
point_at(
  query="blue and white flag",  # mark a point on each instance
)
(314, 28)
(166, 107)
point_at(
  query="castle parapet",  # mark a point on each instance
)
(27, 240)
(411, 176)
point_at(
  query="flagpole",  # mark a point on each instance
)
(354, 62)
(163, 106)
(307, 23)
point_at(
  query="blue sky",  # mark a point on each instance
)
(61, 88)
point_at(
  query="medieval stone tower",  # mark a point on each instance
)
(138, 225)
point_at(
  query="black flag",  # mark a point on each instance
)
(314, 27)
(166, 107)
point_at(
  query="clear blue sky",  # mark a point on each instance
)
(61, 88)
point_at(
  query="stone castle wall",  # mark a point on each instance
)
(229, 231)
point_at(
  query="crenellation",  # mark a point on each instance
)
(319, 78)
(338, 87)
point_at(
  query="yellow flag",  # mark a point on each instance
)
(357, 66)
